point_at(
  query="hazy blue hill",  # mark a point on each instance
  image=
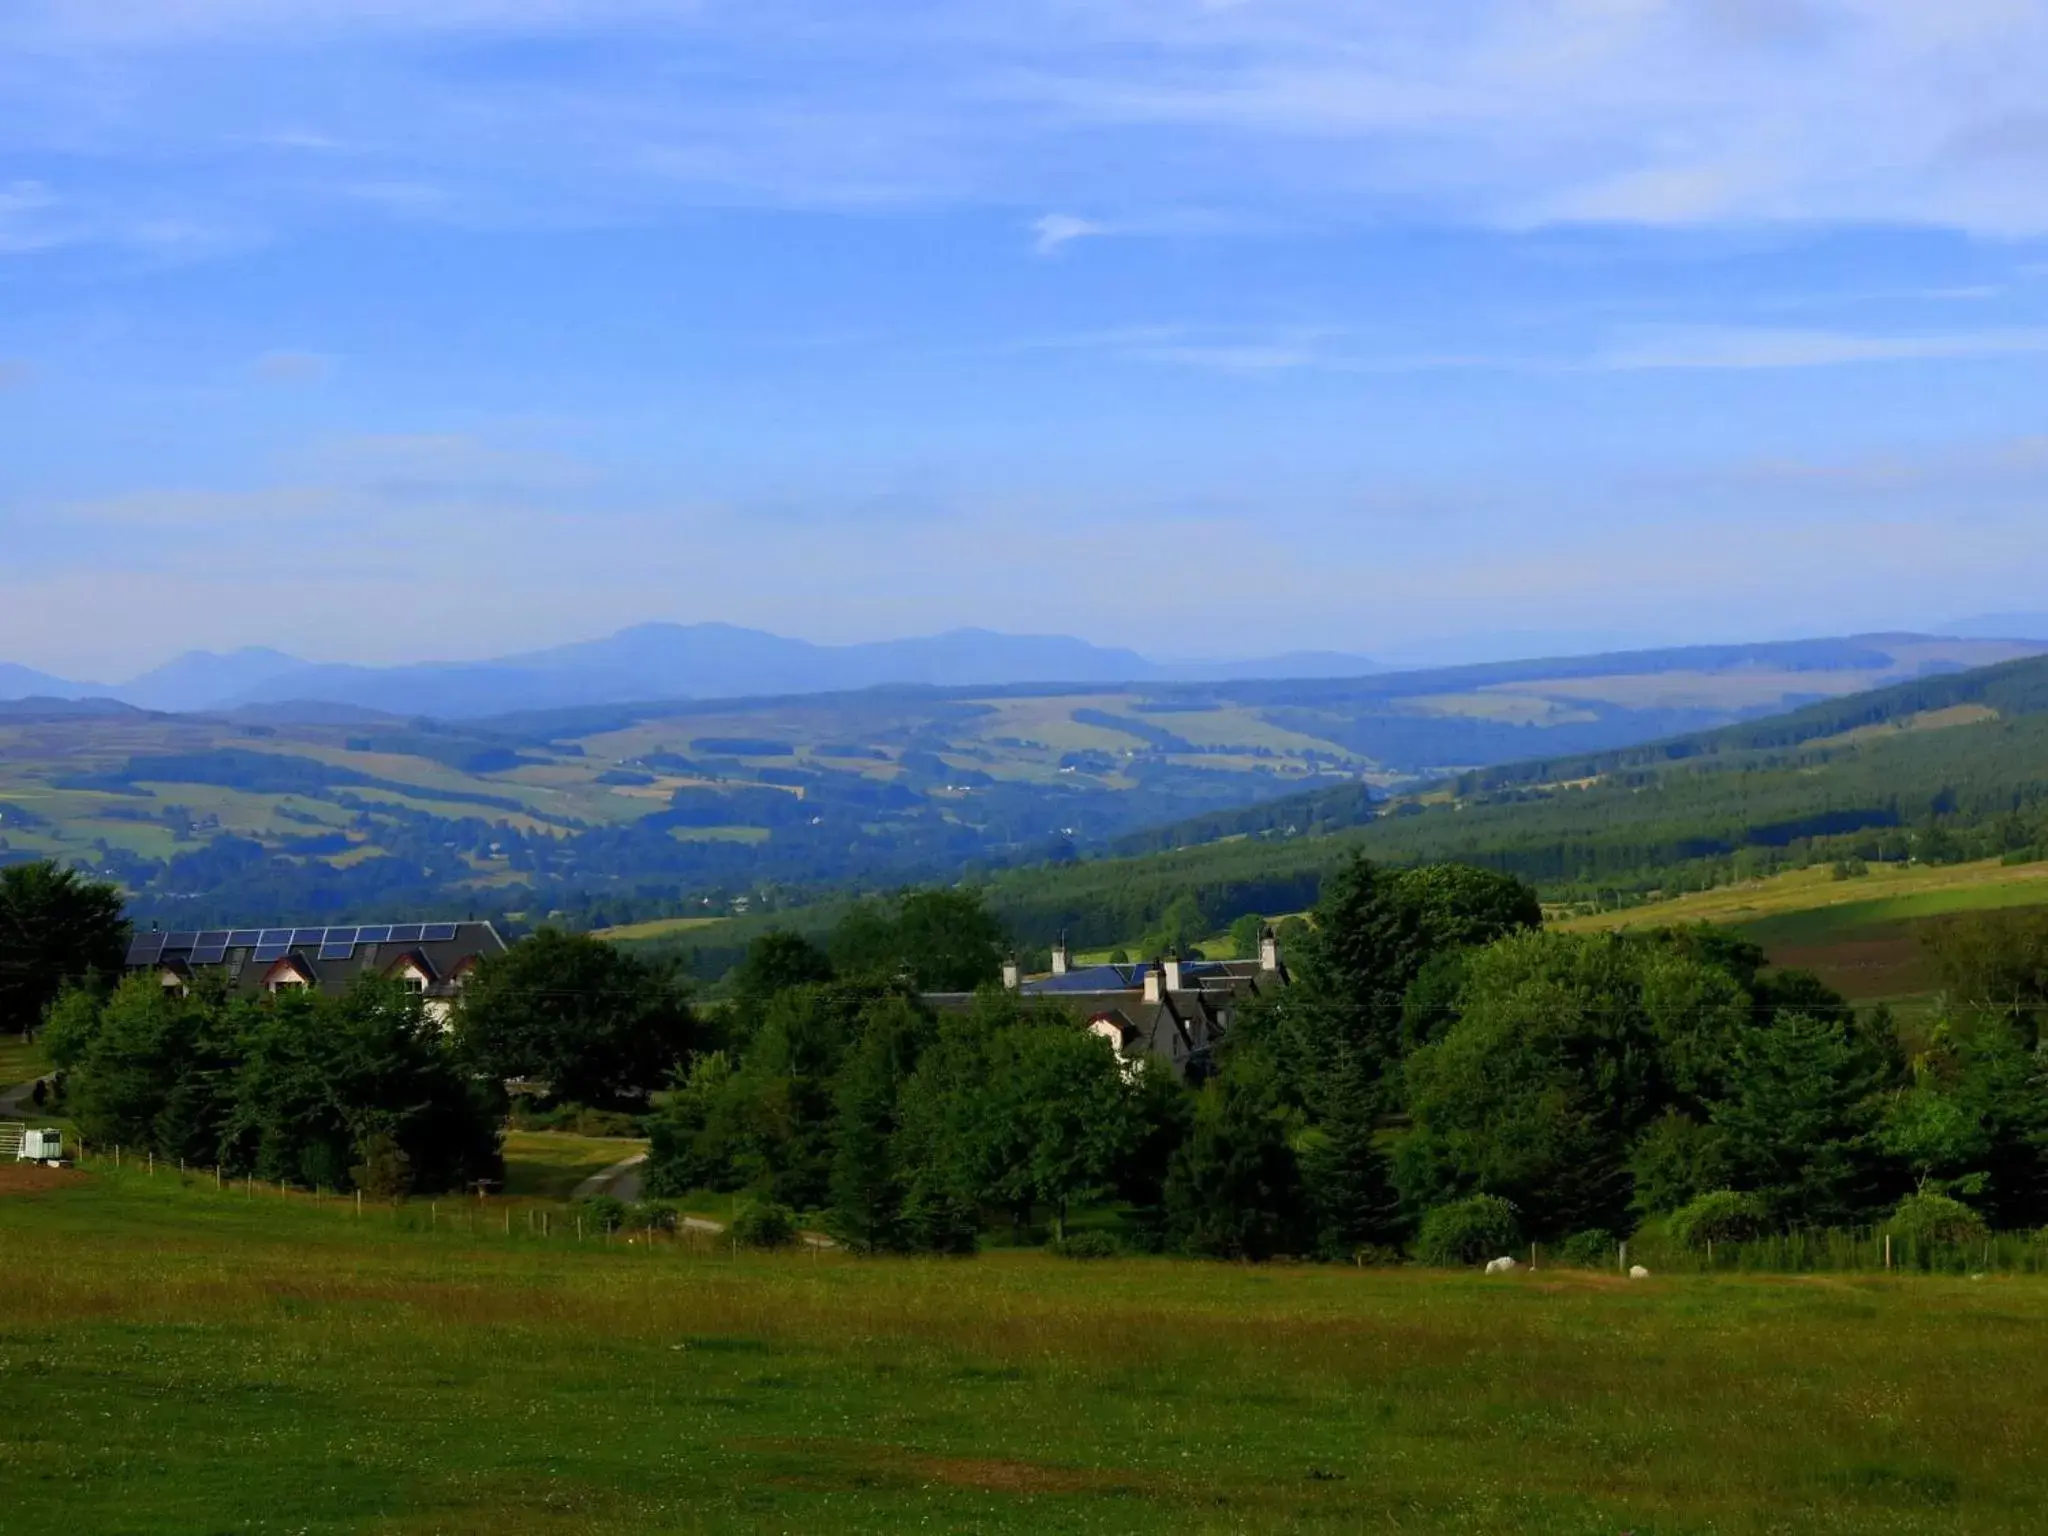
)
(698, 661)
(27, 683)
(203, 679)
(666, 663)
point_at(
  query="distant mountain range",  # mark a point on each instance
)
(650, 662)
(653, 661)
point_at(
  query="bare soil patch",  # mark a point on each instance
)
(34, 1179)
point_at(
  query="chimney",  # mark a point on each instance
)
(1269, 949)
(1061, 959)
(1173, 977)
(1152, 982)
(1013, 974)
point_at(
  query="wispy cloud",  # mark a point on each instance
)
(1737, 347)
(1054, 231)
(1493, 112)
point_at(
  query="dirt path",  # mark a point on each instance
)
(621, 1181)
(16, 1103)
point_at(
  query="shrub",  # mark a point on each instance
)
(385, 1172)
(528, 1114)
(1588, 1250)
(1720, 1217)
(1469, 1231)
(1936, 1219)
(653, 1216)
(764, 1224)
(1089, 1245)
(601, 1212)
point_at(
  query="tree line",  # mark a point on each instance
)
(1443, 1077)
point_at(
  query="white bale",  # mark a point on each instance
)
(1500, 1266)
(1637, 1272)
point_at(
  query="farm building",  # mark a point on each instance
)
(434, 959)
(1177, 1010)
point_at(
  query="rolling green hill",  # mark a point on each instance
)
(623, 813)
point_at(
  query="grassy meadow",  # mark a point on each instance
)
(550, 1164)
(21, 1060)
(182, 1360)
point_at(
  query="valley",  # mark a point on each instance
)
(616, 814)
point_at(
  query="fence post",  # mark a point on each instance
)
(359, 1205)
(216, 1178)
(1887, 1251)
(1624, 1258)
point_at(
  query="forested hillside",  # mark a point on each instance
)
(1942, 770)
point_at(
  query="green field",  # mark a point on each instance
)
(180, 1360)
(550, 1164)
(1865, 936)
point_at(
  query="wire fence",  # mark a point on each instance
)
(653, 1227)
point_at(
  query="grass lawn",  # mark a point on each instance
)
(21, 1061)
(548, 1165)
(178, 1360)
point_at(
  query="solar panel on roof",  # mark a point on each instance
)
(213, 936)
(407, 933)
(309, 936)
(276, 936)
(210, 954)
(180, 940)
(343, 951)
(245, 938)
(378, 935)
(146, 949)
(438, 933)
(272, 951)
(340, 936)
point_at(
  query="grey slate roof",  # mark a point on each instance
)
(1181, 1025)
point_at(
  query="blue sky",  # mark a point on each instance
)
(439, 328)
